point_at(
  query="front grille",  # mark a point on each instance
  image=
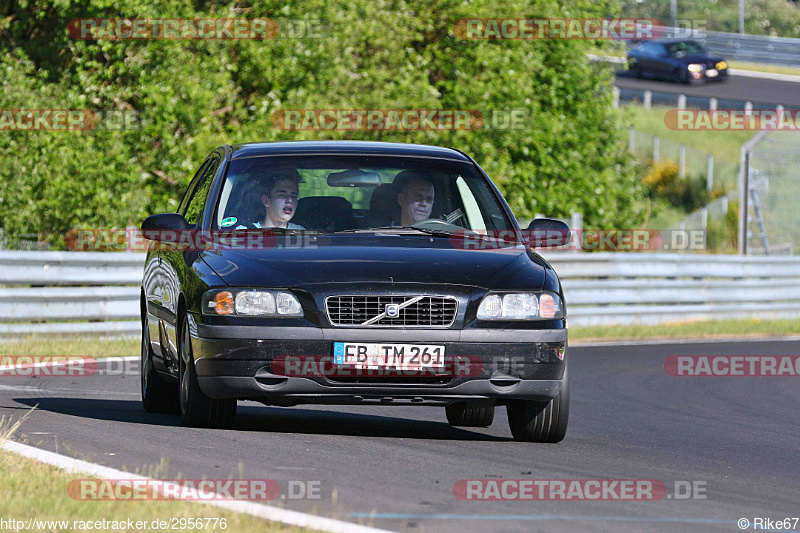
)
(363, 310)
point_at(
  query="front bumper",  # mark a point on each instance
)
(240, 362)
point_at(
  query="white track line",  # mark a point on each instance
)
(275, 514)
(764, 75)
(285, 516)
(706, 340)
(60, 360)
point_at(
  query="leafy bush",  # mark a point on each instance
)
(722, 235)
(663, 182)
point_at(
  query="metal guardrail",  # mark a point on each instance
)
(88, 292)
(745, 47)
(630, 288)
(70, 292)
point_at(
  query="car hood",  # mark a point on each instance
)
(303, 260)
(699, 59)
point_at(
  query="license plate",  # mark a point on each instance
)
(711, 73)
(383, 355)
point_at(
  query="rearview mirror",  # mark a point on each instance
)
(354, 178)
(546, 232)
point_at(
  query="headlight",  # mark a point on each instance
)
(251, 302)
(520, 306)
(696, 67)
(722, 65)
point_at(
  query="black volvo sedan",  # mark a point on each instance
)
(343, 272)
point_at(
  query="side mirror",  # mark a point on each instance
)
(547, 232)
(154, 226)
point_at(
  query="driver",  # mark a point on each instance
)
(415, 196)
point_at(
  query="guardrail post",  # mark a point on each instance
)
(741, 16)
(615, 92)
(631, 139)
(712, 104)
(681, 101)
(710, 173)
(655, 149)
(577, 221)
(682, 160)
(648, 99)
(744, 182)
(748, 108)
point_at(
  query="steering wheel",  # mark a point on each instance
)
(436, 224)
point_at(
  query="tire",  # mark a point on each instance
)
(679, 77)
(534, 421)
(637, 71)
(158, 396)
(197, 409)
(459, 414)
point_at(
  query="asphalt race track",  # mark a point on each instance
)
(742, 88)
(737, 436)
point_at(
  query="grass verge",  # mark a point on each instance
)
(33, 490)
(764, 67)
(723, 145)
(98, 347)
(72, 346)
(688, 330)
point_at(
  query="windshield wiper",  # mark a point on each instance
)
(382, 229)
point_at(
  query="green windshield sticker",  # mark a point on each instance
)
(230, 221)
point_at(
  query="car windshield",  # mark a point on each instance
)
(357, 193)
(685, 48)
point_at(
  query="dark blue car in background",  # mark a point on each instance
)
(678, 60)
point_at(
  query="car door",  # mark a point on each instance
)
(648, 59)
(191, 208)
(662, 65)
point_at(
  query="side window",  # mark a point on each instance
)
(192, 186)
(653, 49)
(197, 200)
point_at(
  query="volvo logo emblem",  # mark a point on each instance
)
(392, 310)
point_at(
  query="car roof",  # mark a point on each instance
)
(260, 149)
